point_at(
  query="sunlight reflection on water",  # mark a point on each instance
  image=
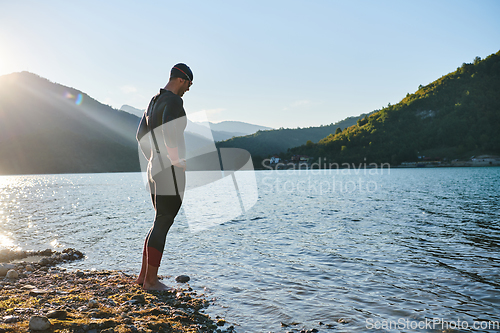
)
(424, 244)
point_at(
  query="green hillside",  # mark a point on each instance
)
(456, 116)
(266, 143)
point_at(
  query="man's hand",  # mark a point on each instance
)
(180, 163)
(173, 155)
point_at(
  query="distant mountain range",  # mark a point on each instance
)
(46, 127)
(270, 142)
(220, 131)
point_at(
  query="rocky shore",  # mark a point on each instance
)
(38, 296)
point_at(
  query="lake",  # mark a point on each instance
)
(356, 250)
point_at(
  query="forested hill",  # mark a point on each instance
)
(456, 116)
(265, 143)
(46, 127)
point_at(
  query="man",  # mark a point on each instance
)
(161, 138)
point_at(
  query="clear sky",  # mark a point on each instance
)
(273, 63)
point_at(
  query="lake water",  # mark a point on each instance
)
(358, 250)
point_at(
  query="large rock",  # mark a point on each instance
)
(4, 268)
(39, 323)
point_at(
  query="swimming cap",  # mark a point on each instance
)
(183, 71)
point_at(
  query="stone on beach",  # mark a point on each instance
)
(99, 301)
(44, 262)
(28, 287)
(10, 319)
(60, 314)
(93, 304)
(37, 292)
(138, 299)
(39, 323)
(12, 274)
(182, 278)
(4, 268)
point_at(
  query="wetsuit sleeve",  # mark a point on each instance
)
(173, 131)
(142, 138)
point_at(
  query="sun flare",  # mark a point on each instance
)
(6, 242)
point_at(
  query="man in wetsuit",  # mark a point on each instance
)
(161, 138)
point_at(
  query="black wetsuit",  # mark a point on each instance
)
(166, 116)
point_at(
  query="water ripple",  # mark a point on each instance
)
(425, 244)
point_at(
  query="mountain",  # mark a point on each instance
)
(237, 127)
(46, 127)
(132, 110)
(454, 117)
(50, 128)
(269, 142)
(220, 131)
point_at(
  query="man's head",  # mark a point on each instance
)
(181, 77)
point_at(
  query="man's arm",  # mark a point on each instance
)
(173, 132)
(143, 138)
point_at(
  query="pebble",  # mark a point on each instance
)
(4, 268)
(39, 323)
(10, 319)
(12, 274)
(38, 292)
(93, 304)
(60, 314)
(28, 287)
(182, 278)
(44, 262)
(138, 298)
(29, 268)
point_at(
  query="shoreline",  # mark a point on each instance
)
(91, 301)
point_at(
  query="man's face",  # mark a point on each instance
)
(184, 87)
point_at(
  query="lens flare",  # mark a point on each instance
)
(79, 99)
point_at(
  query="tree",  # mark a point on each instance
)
(477, 60)
(338, 131)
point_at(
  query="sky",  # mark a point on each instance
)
(272, 63)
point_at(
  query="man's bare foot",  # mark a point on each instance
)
(156, 286)
(139, 280)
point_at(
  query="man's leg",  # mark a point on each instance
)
(144, 266)
(167, 208)
(142, 274)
